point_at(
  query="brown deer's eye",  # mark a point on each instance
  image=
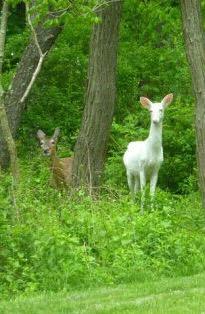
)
(52, 142)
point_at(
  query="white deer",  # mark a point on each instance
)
(143, 159)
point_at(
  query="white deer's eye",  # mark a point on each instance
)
(52, 142)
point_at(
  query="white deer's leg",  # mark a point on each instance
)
(153, 183)
(130, 181)
(136, 185)
(142, 187)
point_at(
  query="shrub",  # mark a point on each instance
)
(61, 242)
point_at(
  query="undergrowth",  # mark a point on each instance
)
(53, 241)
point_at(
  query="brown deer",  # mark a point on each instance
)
(61, 168)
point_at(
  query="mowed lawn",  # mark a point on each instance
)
(177, 295)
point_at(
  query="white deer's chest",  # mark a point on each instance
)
(154, 160)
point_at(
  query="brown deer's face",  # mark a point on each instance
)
(48, 144)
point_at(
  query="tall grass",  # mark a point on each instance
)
(52, 240)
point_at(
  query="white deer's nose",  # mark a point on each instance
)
(156, 120)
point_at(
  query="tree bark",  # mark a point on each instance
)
(26, 68)
(195, 49)
(90, 148)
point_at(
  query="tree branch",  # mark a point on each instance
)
(41, 55)
(59, 13)
(104, 3)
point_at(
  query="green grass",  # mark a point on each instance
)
(57, 241)
(54, 241)
(176, 295)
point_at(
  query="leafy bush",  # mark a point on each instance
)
(52, 241)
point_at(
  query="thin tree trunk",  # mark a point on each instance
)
(6, 132)
(91, 144)
(26, 68)
(195, 49)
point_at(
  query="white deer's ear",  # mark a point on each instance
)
(145, 102)
(167, 100)
(40, 134)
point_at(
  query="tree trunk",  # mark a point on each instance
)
(91, 145)
(25, 70)
(195, 49)
(6, 132)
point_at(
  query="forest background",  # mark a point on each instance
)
(52, 241)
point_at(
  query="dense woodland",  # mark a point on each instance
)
(58, 239)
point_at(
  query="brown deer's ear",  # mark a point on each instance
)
(145, 102)
(56, 134)
(167, 100)
(40, 134)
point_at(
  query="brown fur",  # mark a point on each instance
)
(61, 168)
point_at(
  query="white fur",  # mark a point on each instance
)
(143, 159)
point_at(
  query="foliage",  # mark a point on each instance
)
(154, 66)
(152, 58)
(52, 241)
(62, 87)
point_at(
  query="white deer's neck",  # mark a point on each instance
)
(155, 136)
